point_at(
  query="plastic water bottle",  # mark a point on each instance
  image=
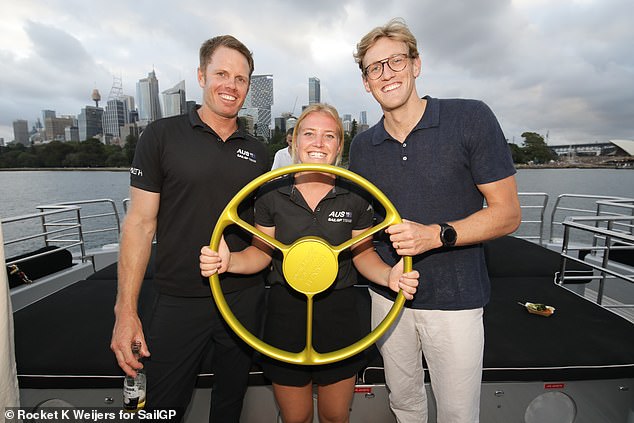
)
(134, 387)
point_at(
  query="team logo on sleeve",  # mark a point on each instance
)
(136, 171)
(341, 216)
(246, 155)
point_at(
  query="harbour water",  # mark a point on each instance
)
(22, 191)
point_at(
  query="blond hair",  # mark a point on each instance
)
(396, 30)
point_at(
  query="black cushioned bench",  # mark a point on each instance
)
(63, 340)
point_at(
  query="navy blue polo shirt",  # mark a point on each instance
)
(344, 209)
(196, 174)
(431, 178)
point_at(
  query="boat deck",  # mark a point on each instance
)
(580, 341)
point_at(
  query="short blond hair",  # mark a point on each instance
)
(319, 108)
(395, 29)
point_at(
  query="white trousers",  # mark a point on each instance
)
(453, 345)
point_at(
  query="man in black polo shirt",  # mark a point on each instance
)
(185, 170)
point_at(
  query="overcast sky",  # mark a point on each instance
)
(559, 67)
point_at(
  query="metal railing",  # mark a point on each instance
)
(601, 228)
(69, 225)
(533, 205)
(104, 208)
(40, 237)
(578, 205)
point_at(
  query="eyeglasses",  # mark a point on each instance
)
(397, 63)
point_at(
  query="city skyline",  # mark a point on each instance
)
(561, 68)
(116, 112)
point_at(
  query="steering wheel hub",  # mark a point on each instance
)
(310, 266)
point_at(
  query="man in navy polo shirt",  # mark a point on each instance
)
(185, 170)
(436, 160)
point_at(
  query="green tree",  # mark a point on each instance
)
(27, 159)
(518, 153)
(54, 153)
(9, 155)
(117, 159)
(130, 147)
(536, 149)
(92, 153)
(347, 140)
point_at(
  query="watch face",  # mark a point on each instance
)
(448, 235)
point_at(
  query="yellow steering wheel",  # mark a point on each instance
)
(309, 265)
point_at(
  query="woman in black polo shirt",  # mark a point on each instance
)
(317, 204)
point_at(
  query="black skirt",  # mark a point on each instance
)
(337, 322)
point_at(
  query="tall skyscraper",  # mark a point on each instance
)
(47, 114)
(133, 114)
(258, 104)
(21, 131)
(71, 133)
(174, 101)
(114, 117)
(147, 94)
(314, 90)
(347, 122)
(363, 117)
(90, 122)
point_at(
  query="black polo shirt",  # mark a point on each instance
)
(197, 174)
(344, 209)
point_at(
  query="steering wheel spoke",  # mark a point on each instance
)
(390, 219)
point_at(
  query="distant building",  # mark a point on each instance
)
(115, 116)
(363, 118)
(280, 124)
(174, 101)
(291, 122)
(71, 133)
(612, 148)
(55, 127)
(133, 114)
(47, 114)
(21, 131)
(132, 128)
(625, 147)
(147, 94)
(90, 122)
(346, 120)
(258, 104)
(314, 90)
(248, 122)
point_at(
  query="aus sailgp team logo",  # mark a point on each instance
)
(340, 216)
(241, 153)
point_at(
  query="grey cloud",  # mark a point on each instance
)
(564, 67)
(57, 48)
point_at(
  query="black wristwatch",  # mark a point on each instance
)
(448, 235)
